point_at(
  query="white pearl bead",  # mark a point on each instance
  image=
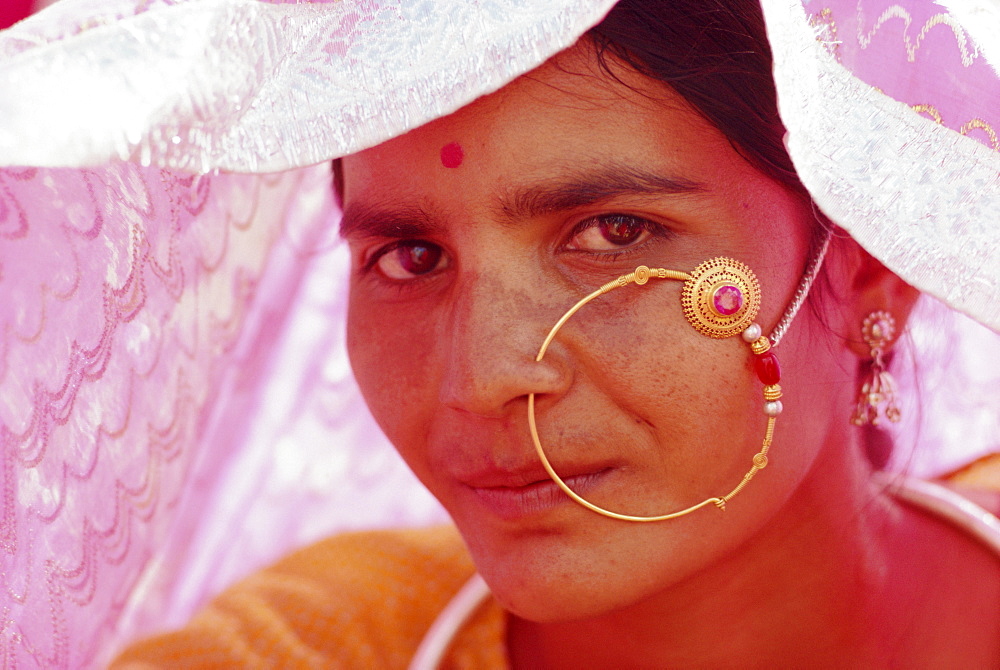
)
(772, 408)
(752, 333)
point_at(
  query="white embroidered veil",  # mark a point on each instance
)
(175, 403)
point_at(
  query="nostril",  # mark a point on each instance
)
(495, 327)
(492, 384)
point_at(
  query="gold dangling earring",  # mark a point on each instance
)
(878, 331)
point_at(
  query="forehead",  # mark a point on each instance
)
(569, 115)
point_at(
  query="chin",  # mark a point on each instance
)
(543, 598)
(551, 577)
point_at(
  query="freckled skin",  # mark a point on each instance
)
(446, 363)
(461, 353)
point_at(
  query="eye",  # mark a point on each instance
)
(409, 259)
(610, 231)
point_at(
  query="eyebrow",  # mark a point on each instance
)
(374, 221)
(546, 196)
(581, 189)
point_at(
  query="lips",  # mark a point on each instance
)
(515, 495)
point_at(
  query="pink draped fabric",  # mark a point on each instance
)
(924, 203)
(115, 333)
(176, 405)
(911, 52)
(164, 429)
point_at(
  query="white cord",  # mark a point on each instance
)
(441, 633)
(812, 270)
(947, 504)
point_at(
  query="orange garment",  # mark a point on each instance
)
(361, 600)
(982, 473)
(365, 600)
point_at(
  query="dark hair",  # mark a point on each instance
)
(715, 54)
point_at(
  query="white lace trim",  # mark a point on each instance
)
(172, 86)
(921, 198)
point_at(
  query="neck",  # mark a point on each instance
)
(812, 580)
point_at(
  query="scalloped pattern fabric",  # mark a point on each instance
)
(164, 429)
(291, 453)
(893, 111)
(112, 337)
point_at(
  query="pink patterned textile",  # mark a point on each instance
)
(176, 405)
(893, 114)
(910, 52)
(114, 333)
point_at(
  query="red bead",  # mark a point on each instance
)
(767, 368)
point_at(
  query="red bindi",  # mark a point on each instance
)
(452, 155)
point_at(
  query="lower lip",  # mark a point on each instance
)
(522, 501)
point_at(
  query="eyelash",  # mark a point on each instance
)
(371, 261)
(654, 229)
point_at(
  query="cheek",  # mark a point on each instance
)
(697, 393)
(392, 365)
(648, 340)
(697, 396)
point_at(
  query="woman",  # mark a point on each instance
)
(654, 141)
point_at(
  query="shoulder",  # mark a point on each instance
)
(354, 600)
(979, 481)
(949, 559)
(963, 504)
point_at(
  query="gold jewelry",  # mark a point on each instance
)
(878, 331)
(721, 298)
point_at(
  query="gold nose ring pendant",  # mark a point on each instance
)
(720, 299)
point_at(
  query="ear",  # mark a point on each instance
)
(871, 288)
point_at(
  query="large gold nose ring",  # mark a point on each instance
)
(720, 298)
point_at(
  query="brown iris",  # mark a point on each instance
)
(620, 230)
(418, 258)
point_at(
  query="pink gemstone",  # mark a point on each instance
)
(727, 300)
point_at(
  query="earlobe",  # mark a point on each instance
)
(878, 306)
(874, 288)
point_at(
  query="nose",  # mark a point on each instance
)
(496, 326)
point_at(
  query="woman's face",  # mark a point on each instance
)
(472, 235)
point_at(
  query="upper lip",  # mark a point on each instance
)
(496, 478)
(505, 459)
